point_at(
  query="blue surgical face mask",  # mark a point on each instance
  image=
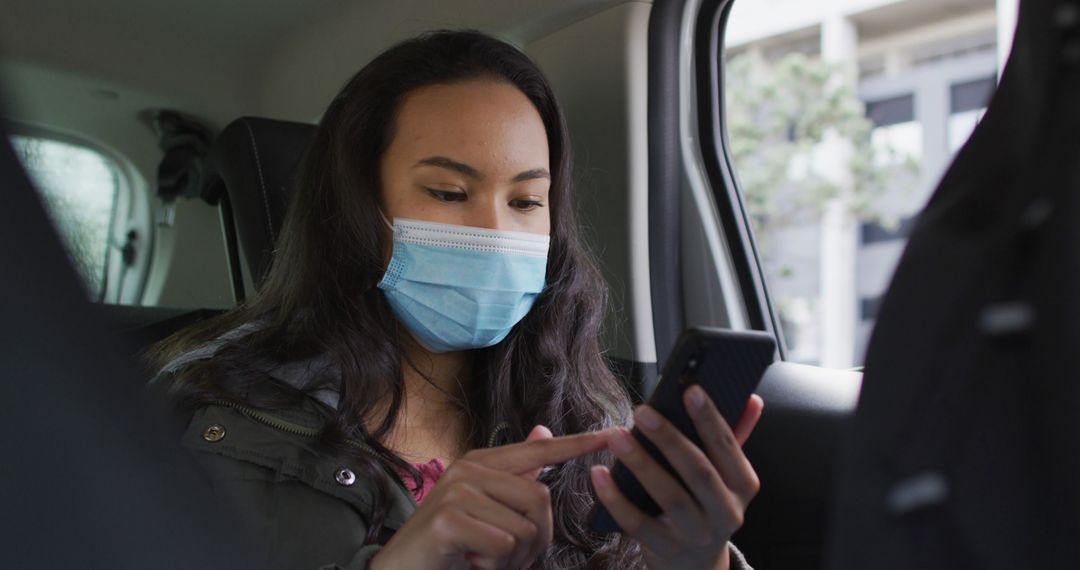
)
(461, 287)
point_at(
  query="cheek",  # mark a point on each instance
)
(394, 186)
(545, 222)
(392, 199)
(403, 200)
(542, 225)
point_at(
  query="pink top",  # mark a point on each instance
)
(429, 475)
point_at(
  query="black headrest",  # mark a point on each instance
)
(252, 164)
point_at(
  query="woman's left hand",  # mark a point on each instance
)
(695, 526)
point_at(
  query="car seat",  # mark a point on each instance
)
(249, 173)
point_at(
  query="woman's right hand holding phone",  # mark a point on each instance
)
(488, 510)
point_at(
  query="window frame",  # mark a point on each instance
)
(735, 223)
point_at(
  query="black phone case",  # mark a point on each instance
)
(728, 365)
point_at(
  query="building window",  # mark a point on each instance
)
(897, 138)
(876, 232)
(869, 307)
(967, 104)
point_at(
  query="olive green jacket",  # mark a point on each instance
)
(298, 508)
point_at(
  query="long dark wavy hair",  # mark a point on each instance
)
(320, 300)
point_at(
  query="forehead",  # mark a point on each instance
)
(489, 122)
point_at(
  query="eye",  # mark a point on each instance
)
(446, 195)
(526, 205)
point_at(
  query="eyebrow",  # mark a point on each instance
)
(532, 175)
(450, 164)
(462, 168)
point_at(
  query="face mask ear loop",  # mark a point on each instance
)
(391, 226)
(386, 220)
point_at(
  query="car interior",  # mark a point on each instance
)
(204, 110)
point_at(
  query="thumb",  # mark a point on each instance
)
(537, 433)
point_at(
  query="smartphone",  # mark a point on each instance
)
(728, 365)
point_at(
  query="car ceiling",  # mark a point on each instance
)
(92, 69)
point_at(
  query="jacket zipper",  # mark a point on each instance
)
(311, 433)
(287, 427)
(495, 433)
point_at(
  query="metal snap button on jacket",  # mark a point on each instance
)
(345, 477)
(214, 433)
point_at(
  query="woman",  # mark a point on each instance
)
(430, 307)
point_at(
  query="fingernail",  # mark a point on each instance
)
(696, 395)
(620, 442)
(599, 478)
(648, 418)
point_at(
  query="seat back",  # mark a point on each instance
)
(89, 457)
(250, 171)
(963, 448)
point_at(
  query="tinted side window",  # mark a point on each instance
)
(79, 187)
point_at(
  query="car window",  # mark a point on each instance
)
(79, 187)
(840, 124)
